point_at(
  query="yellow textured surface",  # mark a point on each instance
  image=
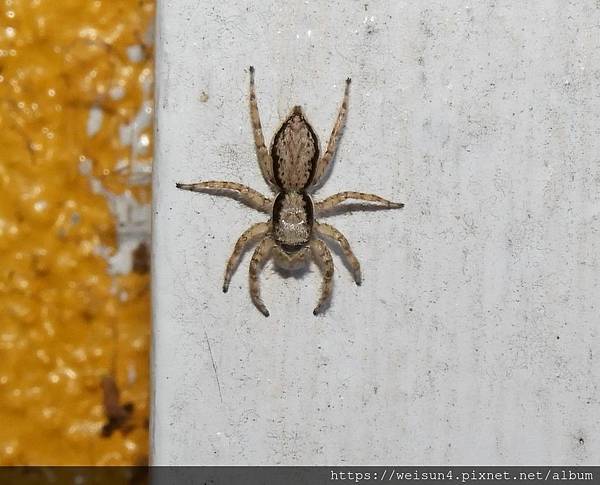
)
(66, 322)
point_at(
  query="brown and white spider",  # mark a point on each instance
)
(292, 168)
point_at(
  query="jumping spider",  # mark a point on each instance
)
(292, 168)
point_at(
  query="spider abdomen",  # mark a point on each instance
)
(292, 220)
(295, 152)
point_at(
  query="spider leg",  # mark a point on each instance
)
(264, 158)
(325, 262)
(331, 232)
(323, 163)
(260, 256)
(243, 193)
(336, 199)
(256, 230)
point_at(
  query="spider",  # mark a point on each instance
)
(292, 168)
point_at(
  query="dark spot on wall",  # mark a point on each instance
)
(425, 23)
(141, 259)
(117, 415)
(87, 315)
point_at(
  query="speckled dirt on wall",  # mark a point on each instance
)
(75, 110)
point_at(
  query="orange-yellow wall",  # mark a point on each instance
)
(65, 321)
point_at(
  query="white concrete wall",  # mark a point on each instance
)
(475, 336)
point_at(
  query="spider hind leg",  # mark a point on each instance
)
(334, 138)
(264, 158)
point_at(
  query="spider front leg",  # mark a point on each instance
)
(325, 262)
(334, 200)
(259, 258)
(243, 193)
(264, 158)
(257, 230)
(336, 133)
(332, 233)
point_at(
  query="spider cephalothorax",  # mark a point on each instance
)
(292, 220)
(292, 168)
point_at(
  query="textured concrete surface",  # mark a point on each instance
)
(474, 338)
